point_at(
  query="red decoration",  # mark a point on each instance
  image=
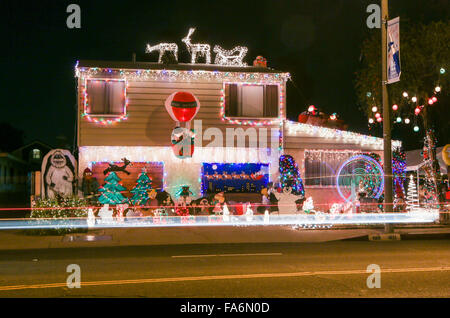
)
(182, 106)
(260, 62)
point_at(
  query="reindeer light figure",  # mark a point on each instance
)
(194, 49)
(163, 48)
(229, 57)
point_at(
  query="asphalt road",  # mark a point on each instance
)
(416, 268)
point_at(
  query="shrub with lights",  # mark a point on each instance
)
(48, 209)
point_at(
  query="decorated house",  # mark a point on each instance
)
(213, 127)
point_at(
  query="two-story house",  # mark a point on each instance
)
(240, 128)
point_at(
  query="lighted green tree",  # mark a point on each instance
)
(111, 190)
(140, 190)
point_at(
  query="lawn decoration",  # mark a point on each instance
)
(287, 200)
(111, 190)
(106, 214)
(363, 172)
(89, 185)
(58, 173)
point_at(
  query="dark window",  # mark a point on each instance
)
(251, 101)
(105, 97)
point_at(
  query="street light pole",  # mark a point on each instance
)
(387, 150)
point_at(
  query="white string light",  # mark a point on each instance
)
(163, 48)
(200, 49)
(297, 129)
(229, 57)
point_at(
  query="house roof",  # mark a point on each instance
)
(180, 66)
(32, 143)
(414, 159)
(295, 129)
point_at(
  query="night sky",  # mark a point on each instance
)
(317, 41)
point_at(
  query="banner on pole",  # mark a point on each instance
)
(393, 51)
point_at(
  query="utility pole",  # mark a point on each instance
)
(387, 150)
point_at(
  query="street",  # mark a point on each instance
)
(412, 268)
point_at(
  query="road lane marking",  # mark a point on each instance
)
(226, 255)
(225, 277)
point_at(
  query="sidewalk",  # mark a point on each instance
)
(16, 239)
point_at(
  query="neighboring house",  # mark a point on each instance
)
(13, 180)
(15, 172)
(33, 153)
(121, 113)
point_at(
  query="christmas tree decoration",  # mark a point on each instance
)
(398, 169)
(432, 171)
(412, 199)
(231, 57)
(141, 189)
(163, 48)
(290, 175)
(111, 190)
(197, 50)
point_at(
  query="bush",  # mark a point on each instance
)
(58, 208)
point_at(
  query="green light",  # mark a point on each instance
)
(399, 119)
(442, 70)
(416, 128)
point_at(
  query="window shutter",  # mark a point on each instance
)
(271, 101)
(231, 102)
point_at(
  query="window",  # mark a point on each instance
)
(251, 101)
(321, 166)
(36, 154)
(105, 97)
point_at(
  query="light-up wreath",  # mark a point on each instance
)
(360, 173)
